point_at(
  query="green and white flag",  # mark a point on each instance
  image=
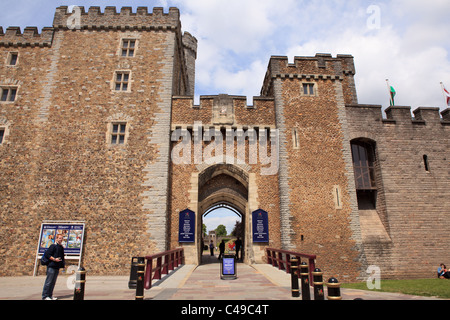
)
(392, 92)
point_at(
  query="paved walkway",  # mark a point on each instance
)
(189, 282)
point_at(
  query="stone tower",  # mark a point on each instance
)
(95, 94)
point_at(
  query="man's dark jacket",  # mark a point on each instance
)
(55, 251)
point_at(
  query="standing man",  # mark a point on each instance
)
(211, 248)
(221, 249)
(55, 253)
(238, 244)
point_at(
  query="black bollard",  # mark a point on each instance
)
(80, 283)
(133, 273)
(304, 275)
(140, 279)
(318, 284)
(294, 278)
(334, 289)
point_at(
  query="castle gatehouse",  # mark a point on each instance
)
(98, 125)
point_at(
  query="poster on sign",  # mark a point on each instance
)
(260, 219)
(186, 231)
(72, 237)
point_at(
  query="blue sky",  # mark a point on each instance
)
(405, 41)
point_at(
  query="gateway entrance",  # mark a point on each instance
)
(222, 214)
(223, 186)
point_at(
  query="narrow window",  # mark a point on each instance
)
(363, 155)
(118, 133)
(295, 138)
(122, 81)
(425, 163)
(8, 94)
(308, 89)
(2, 134)
(12, 60)
(128, 47)
(337, 197)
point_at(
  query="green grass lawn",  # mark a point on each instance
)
(419, 287)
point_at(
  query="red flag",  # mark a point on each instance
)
(447, 94)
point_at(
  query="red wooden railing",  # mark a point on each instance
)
(172, 259)
(282, 259)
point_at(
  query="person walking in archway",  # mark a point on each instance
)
(238, 244)
(211, 248)
(221, 249)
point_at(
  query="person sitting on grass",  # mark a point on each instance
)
(443, 273)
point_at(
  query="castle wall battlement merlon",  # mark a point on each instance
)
(13, 37)
(321, 63)
(400, 115)
(205, 101)
(323, 66)
(112, 19)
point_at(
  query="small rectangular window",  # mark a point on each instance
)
(308, 89)
(118, 133)
(12, 60)
(8, 94)
(128, 47)
(122, 81)
(2, 134)
(426, 163)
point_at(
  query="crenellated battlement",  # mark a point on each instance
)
(124, 19)
(13, 37)
(399, 115)
(224, 110)
(205, 100)
(323, 67)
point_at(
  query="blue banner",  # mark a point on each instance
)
(186, 232)
(260, 219)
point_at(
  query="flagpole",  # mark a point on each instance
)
(443, 93)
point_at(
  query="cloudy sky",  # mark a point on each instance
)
(405, 41)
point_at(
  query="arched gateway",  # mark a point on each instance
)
(221, 184)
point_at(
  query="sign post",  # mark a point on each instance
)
(73, 235)
(228, 267)
(260, 221)
(186, 228)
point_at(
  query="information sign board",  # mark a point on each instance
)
(260, 221)
(186, 232)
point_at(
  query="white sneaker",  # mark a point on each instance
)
(53, 298)
(48, 298)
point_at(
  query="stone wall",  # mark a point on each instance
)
(406, 234)
(58, 162)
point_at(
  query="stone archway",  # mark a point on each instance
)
(224, 184)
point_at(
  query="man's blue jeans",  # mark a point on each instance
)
(50, 281)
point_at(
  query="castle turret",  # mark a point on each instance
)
(190, 54)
